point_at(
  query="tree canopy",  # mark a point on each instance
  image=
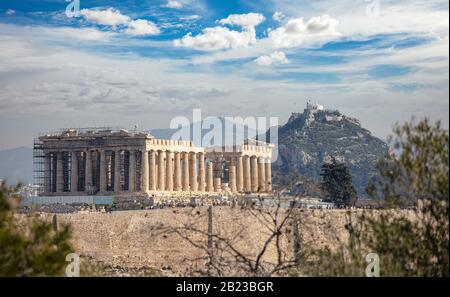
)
(337, 182)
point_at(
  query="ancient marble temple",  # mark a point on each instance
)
(107, 162)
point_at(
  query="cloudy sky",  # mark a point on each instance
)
(121, 63)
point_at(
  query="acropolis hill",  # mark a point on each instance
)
(119, 163)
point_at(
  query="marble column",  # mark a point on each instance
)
(132, 171)
(144, 171)
(74, 172)
(102, 175)
(193, 172)
(177, 165)
(59, 173)
(201, 172)
(217, 184)
(186, 171)
(268, 175)
(88, 171)
(255, 174)
(262, 174)
(152, 173)
(209, 177)
(161, 171)
(169, 171)
(117, 168)
(239, 174)
(247, 181)
(232, 178)
(156, 170)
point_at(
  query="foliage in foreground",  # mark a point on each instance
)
(407, 245)
(35, 250)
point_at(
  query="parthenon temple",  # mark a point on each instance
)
(118, 162)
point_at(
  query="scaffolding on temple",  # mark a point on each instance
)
(38, 165)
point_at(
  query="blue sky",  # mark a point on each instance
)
(122, 63)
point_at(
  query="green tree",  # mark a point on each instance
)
(409, 242)
(35, 249)
(337, 182)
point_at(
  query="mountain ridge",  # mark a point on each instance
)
(313, 137)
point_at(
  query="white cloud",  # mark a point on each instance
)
(113, 17)
(278, 16)
(60, 35)
(274, 58)
(216, 38)
(10, 11)
(80, 34)
(295, 32)
(190, 17)
(249, 20)
(173, 4)
(141, 27)
(413, 16)
(108, 17)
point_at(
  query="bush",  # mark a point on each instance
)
(33, 250)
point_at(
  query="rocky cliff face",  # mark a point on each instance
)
(311, 138)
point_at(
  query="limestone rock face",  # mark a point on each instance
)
(310, 138)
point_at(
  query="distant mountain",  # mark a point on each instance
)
(311, 138)
(162, 133)
(16, 165)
